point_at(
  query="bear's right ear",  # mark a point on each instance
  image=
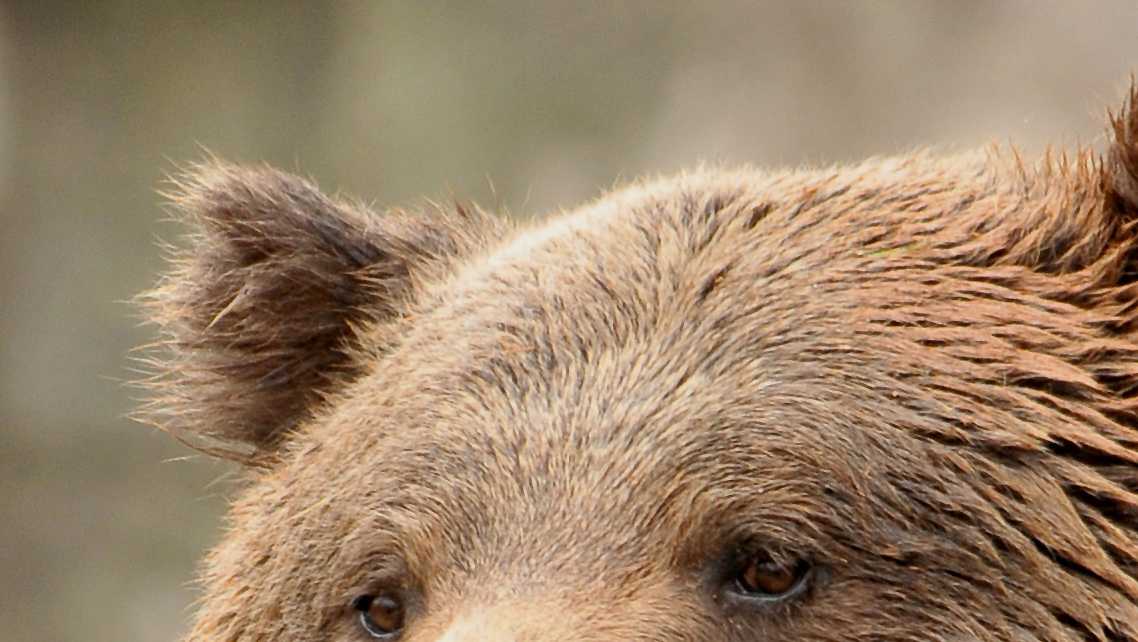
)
(258, 315)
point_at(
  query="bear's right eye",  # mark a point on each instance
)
(764, 579)
(756, 579)
(381, 615)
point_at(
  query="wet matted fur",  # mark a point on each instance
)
(918, 375)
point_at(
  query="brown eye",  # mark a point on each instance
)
(380, 615)
(762, 578)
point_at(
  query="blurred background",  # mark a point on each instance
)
(523, 107)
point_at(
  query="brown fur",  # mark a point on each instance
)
(919, 374)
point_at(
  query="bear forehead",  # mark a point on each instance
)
(623, 307)
(682, 264)
(720, 286)
(599, 364)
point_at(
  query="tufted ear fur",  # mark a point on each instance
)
(260, 313)
(1120, 169)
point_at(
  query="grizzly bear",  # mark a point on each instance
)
(895, 400)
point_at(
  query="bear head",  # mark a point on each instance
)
(890, 401)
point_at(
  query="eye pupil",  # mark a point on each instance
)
(381, 615)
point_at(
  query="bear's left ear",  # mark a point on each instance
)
(1120, 165)
(259, 314)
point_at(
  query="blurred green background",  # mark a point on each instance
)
(525, 107)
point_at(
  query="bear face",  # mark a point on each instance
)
(892, 401)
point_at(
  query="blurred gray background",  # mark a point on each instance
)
(524, 107)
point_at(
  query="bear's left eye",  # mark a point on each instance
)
(381, 615)
(759, 578)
